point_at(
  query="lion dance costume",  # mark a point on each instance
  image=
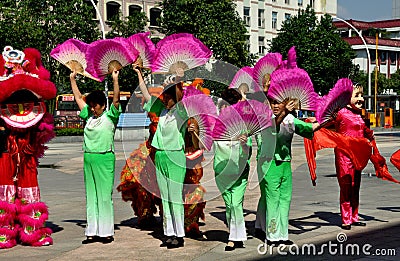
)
(25, 127)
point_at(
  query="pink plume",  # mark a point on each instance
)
(292, 58)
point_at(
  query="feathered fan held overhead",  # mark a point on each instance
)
(245, 117)
(337, 98)
(263, 69)
(244, 76)
(146, 48)
(71, 53)
(293, 84)
(202, 108)
(177, 53)
(103, 56)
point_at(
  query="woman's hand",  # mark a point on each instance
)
(115, 75)
(72, 75)
(290, 105)
(193, 128)
(242, 138)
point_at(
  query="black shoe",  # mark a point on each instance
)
(230, 246)
(107, 240)
(346, 226)
(286, 242)
(176, 242)
(89, 240)
(238, 244)
(359, 224)
(167, 242)
(272, 243)
(258, 233)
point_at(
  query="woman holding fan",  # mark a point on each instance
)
(231, 166)
(349, 122)
(170, 160)
(99, 159)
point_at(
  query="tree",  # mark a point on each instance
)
(320, 49)
(215, 23)
(43, 24)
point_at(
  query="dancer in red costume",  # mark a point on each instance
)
(349, 122)
(25, 127)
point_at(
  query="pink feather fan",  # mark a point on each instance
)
(71, 53)
(293, 84)
(337, 98)
(105, 55)
(177, 53)
(201, 108)
(146, 48)
(264, 67)
(245, 117)
(244, 76)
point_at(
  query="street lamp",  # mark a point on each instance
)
(368, 56)
(103, 31)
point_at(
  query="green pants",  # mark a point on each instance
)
(233, 198)
(98, 172)
(170, 172)
(277, 190)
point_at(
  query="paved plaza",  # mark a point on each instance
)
(314, 216)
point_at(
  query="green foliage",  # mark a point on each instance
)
(320, 49)
(215, 23)
(43, 24)
(69, 132)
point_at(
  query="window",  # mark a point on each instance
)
(300, 2)
(287, 16)
(273, 1)
(261, 19)
(287, 2)
(261, 45)
(112, 10)
(274, 20)
(89, 3)
(373, 57)
(134, 9)
(155, 14)
(392, 57)
(312, 3)
(383, 57)
(246, 16)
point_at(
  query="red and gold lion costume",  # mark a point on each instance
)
(25, 127)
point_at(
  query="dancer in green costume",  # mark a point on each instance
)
(99, 159)
(231, 167)
(276, 186)
(170, 159)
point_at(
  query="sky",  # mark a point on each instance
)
(364, 10)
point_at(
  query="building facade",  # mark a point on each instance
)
(263, 18)
(111, 8)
